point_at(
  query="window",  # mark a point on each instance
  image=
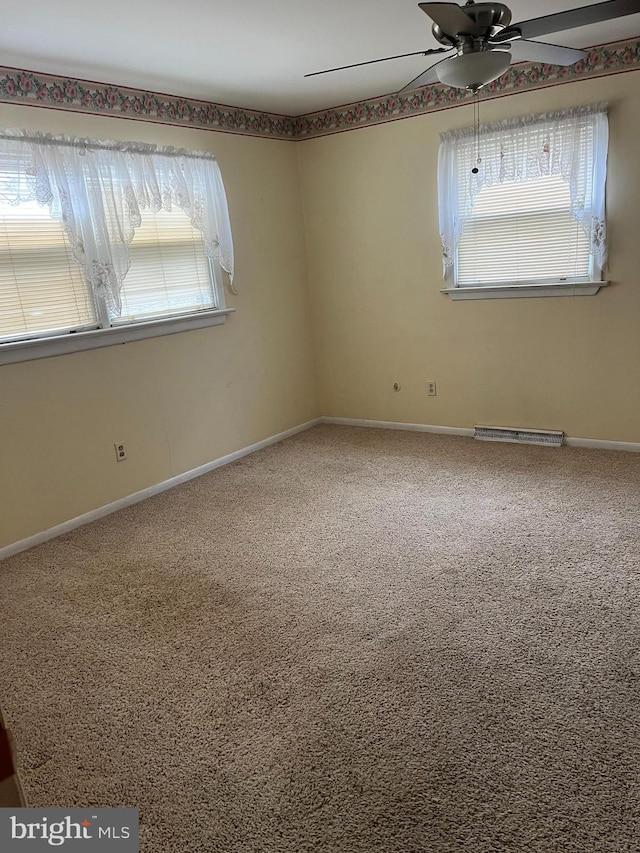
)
(103, 242)
(530, 219)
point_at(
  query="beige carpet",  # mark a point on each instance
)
(351, 642)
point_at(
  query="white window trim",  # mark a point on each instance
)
(511, 291)
(17, 351)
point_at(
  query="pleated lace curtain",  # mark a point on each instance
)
(572, 144)
(97, 189)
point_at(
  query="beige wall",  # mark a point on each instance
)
(375, 273)
(365, 289)
(178, 401)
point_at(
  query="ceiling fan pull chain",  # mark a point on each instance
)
(476, 129)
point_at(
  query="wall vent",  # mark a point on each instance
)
(548, 437)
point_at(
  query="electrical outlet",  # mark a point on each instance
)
(121, 451)
(431, 388)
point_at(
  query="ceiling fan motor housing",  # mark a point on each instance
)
(488, 20)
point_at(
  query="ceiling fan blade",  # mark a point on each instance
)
(450, 17)
(573, 18)
(428, 76)
(548, 54)
(384, 59)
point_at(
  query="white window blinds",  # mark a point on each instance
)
(524, 233)
(169, 272)
(42, 288)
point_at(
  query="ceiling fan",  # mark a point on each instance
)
(483, 41)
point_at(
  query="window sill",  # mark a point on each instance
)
(96, 338)
(511, 291)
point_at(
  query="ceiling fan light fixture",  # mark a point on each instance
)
(473, 70)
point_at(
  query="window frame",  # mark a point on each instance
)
(510, 291)
(552, 286)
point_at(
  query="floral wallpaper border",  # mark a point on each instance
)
(601, 61)
(63, 93)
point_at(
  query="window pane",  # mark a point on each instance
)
(42, 288)
(523, 232)
(169, 271)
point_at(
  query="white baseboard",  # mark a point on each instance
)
(445, 430)
(594, 443)
(601, 444)
(136, 497)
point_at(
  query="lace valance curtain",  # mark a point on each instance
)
(97, 189)
(571, 143)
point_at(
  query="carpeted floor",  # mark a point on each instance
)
(356, 641)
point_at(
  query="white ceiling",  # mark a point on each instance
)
(247, 53)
